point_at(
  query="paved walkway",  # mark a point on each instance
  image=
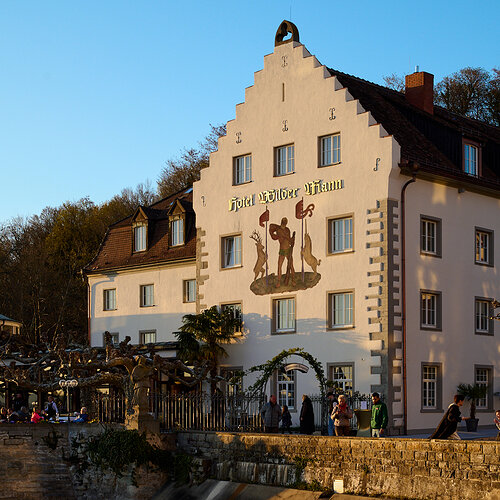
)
(482, 433)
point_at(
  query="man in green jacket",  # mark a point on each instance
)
(379, 416)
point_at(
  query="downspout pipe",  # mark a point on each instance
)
(414, 168)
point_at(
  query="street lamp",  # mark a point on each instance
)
(67, 385)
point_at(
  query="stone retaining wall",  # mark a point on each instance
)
(396, 467)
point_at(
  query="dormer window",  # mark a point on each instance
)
(471, 157)
(140, 237)
(177, 230)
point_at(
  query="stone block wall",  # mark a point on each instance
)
(395, 467)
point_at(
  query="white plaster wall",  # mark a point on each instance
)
(309, 94)
(129, 318)
(459, 280)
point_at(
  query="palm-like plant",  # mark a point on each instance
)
(202, 335)
(472, 392)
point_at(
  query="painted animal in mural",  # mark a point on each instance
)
(306, 252)
(260, 265)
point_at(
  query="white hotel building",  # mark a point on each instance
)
(395, 203)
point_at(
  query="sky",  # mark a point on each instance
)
(95, 96)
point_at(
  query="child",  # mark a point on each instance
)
(35, 416)
(286, 420)
(497, 423)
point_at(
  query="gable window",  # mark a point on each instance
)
(140, 237)
(231, 251)
(286, 389)
(148, 337)
(482, 377)
(177, 230)
(109, 299)
(431, 386)
(484, 247)
(235, 309)
(147, 295)
(242, 169)
(284, 161)
(430, 236)
(340, 235)
(471, 159)
(329, 150)
(342, 376)
(430, 310)
(189, 290)
(341, 310)
(284, 315)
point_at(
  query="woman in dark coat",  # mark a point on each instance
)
(306, 416)
(447, 428)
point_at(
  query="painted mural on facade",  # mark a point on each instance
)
(275, 261)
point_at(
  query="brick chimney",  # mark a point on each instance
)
(419, 90)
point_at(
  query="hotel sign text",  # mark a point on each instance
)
(271, 195)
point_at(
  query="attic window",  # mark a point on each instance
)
(140, 237)
(471, 157)
(177, 230)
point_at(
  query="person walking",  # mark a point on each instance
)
(332, 403)
(447, 427)
(379, 419)
(271, 415)
(342, 415)
(306, 416)
(496, 420)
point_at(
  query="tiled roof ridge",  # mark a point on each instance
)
(172, 195)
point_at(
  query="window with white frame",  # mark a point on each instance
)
(430, 386)
(471, 159)
(148, 336)
(286, 389)
(341, 310)
(284, 315)
(177, 230)
(147, 298)
(242, 169)
(140, 237)
(430, 235)
(109, 299)
(484, 247)
(340, 235)
(189, 293)
(284, 160)
(231, 251)
(115, 339)
(234, 381)
(483, 313)
(329, 150)
(482, 377)
(430, 310)
(342, 376)
(236, 311)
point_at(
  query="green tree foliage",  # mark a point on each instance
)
(202, 336)
(180, 173)
(472, 392)
(471, 92)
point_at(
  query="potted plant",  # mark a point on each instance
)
(472, 392)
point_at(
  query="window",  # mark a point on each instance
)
(340, 233)
(431, 386)
(109, 299)
(342, 376)
(234, 381)
(140, 233)
(177, 230)
(482, 377)
(231, 251)
(284, 160)
(237, 314)
(284, 315)
(242, 169)
(148, 337)
(341, 310)
(115, 340)
(147, 298)
(471, 159)
(482, 314)
(329, 150)
(430, 236)
(189, 291)
(484, 246)
(430, 310)
(286, 389)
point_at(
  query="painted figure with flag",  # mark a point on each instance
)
(263, 220)
(301, 213)
(287, 241)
